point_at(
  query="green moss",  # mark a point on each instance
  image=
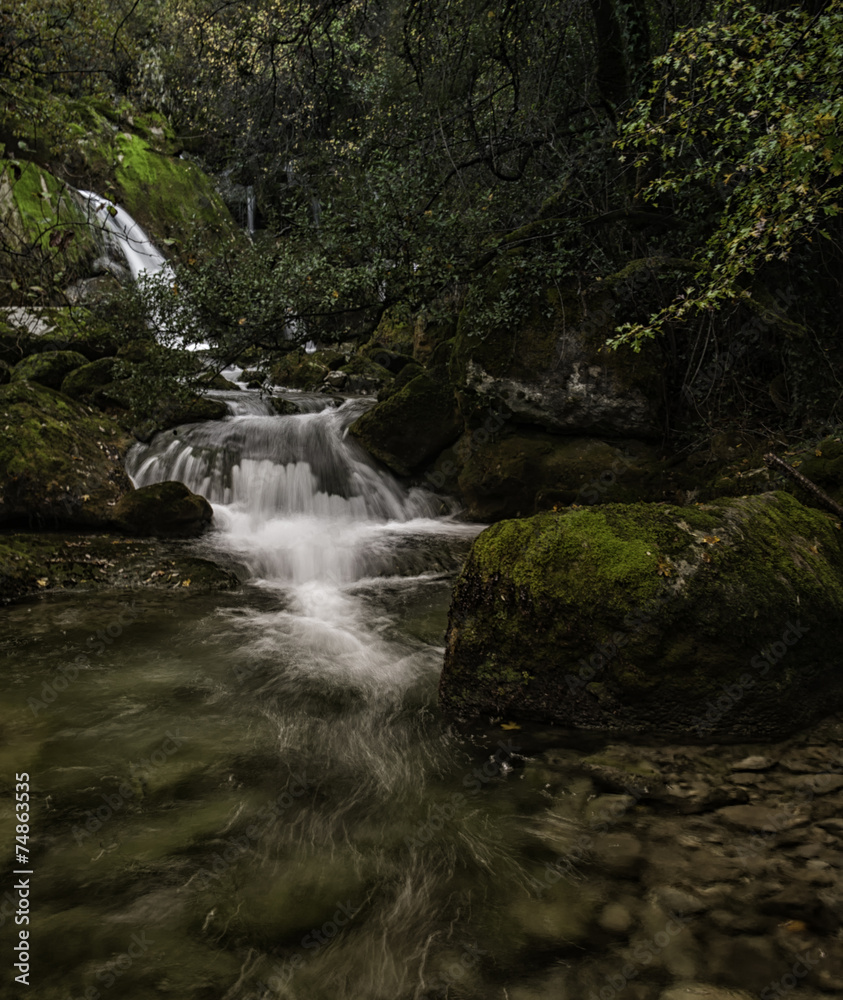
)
(394, 332)
(48, 368)
(59, 461)
(42, 203)
(673, 603)
(298, 370)
(85, 381)
(169, 197)
(413, 425)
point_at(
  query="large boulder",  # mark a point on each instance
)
(518, 474)
(92, 382)
(48, 368)
(163, 510)
(715, 620)
(552, 368)
(413, 425)
(60, 464)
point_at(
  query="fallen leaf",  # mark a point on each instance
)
(42, 582)
(793, 926)
(711, 539)
(185, 583)
(818, 453)
(510, 725)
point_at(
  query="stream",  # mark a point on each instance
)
(253, 795)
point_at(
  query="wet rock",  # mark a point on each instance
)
(620, 853)
(505, 473)
(362, 375)
(216, 380)
(803, 902)
(810, 760)
(284, 407)
(412, 426)
(745, 922)
(764, 818)
(815, 784)
(755, 763)
(336, 380)
(608, 808)
(173, 413)
(97, 382)
(60, 464)
(703, 991)
(40, 564)
(561, 917)
(48, 368)
(615, 918)
(163, 510)
(833, 825)
(678, 901)
(743, 961)
(299, 370)
(652, 618)
(551, 368)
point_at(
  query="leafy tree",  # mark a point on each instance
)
(741, 137)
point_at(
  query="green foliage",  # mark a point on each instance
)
(741, 136)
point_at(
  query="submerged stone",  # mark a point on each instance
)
(718, 620)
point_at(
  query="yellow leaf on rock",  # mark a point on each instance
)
(185, 583)
(510, 725)
(42, 582)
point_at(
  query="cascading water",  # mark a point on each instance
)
(302, 509)
(142, 256)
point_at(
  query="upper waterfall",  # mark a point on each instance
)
(142, 256)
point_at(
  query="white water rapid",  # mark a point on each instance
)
(302, 509)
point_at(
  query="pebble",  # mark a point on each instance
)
(753, 764)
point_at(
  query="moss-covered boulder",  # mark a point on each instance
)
(510, 474)
(413, 425)
(392, 361)
(299, 370)
(48, 368)
(715, 620)
(87, 380)
(551, 367)
(60, 463)
(44, 563)
(163, 510)
(363, 375)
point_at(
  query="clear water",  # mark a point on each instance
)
(252, 795)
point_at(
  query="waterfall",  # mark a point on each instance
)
(121, 230)
(302, 510)
(142, 256)
(296, 500)
(250, 210)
